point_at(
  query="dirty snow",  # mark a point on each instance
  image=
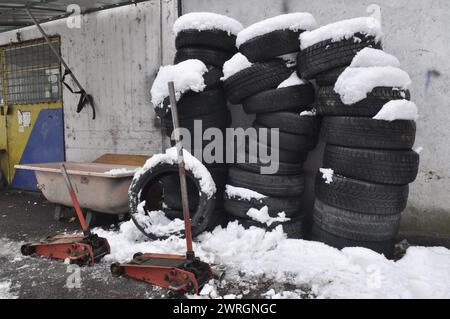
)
(398, 110)
(291, 81)
(340, 30)
(331, 273)
(327, 175)
(354, 84)
(186, 75)
(374, 57)
(192, 164)
(242, 193)
(238, 62)
(120, 171)
(202, 21)
(262, 216)
(292, 21)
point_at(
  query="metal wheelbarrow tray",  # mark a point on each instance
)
(97, 189)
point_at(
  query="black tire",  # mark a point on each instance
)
(293, 228)
(329, 77)
(269, 185)
(285, 156)
(359, 196)
(141, 184)
(290, 122)
(238, 207)
(271, 45)
(328, 55)
(329, 103)
(212, 78)
(283, 168)
(215, 39)
(257, 78)
(298, 98)
(385, 247)
(368, 133)
(290, 142)
(356, 226)
(206, 55)
(376, 166)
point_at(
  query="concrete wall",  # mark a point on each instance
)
(417, 33)
(115, 55)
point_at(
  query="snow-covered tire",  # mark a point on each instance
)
(329, 77)
(141, 184)
(360, 196)
(290, 122)
(284, 155)
(271, 45)
(327, 55)
(329, 103)
(354, 225)
(206, 55)
(238, 207)
(385, 247)
(298, 98)
(293, 228)
(212, 78)
(269, 185)
(396, 167)
(290, 142)
(215, 39)
(283, 168)
(257, 78)
(368, 133)
(172, 194)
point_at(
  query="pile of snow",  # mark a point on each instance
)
(354, 84)
(238, 62)
(156, 222)
(262, 216)
(120, 171)
(242, 193)
(340, 30)
(292, 21)
(327, 175)
(186, 75)
(291, 81)
(192, 164)
(5, 290)
(330, 273)
(202, 21)
(374, 57)
(398, 110)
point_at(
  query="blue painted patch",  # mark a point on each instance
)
(46, 144)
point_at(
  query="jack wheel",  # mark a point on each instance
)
(27, 250)
(116, 270)
(137, 255)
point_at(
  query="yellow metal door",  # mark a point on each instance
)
(32, 104)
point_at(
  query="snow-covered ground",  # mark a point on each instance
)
(255, 255)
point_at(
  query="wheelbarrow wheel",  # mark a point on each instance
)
(27, 250)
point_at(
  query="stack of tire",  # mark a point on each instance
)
(213, 46)
(256, 88)
(372, 159)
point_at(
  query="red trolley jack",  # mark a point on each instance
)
(86, 249)
(180, 274)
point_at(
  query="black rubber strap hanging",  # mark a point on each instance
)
(84, 97)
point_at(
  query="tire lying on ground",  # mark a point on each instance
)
(293, 228)
(384, 247)
(329, 103)
(141, 184)
(271, 45)
(206, 55)
(359, 196)
(214, 39)
(368, 133)
(297, 97)
(328, 55)
(269, 185)
(377, 166)
(254, 79)
(329, 77)
(238, 207)
(356, 226)
(290, 122)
